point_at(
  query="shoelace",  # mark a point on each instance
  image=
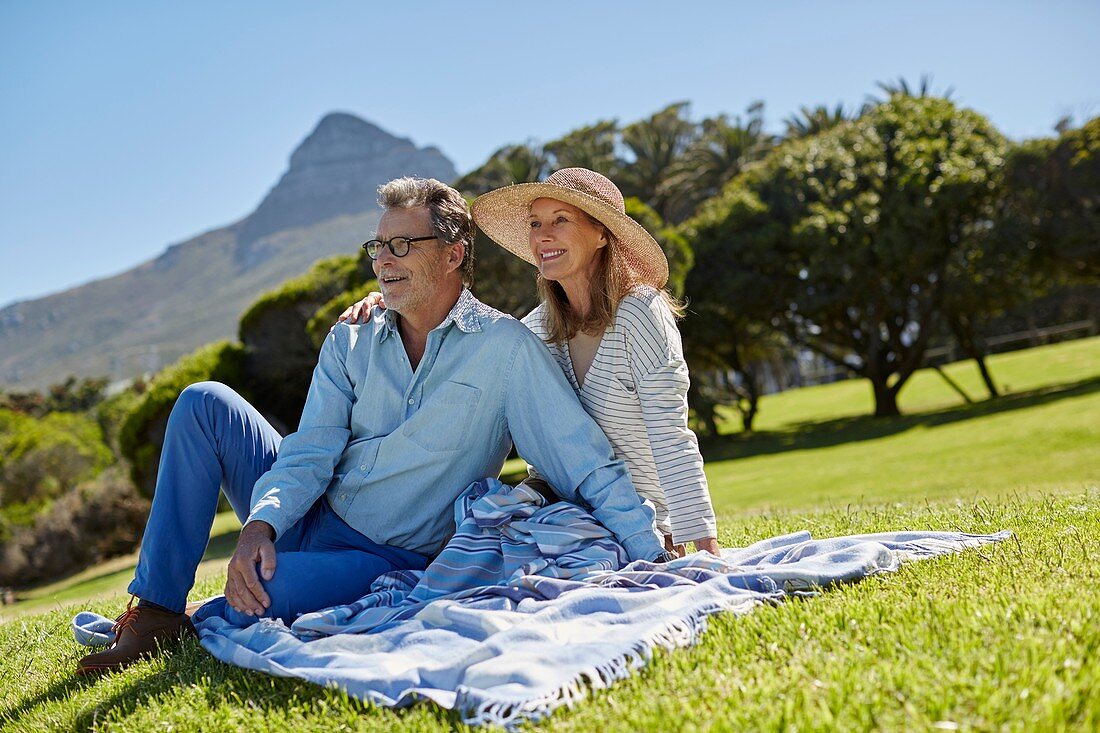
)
(126, 619)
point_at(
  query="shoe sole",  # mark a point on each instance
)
(85, 670)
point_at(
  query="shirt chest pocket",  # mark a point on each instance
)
(443, 421)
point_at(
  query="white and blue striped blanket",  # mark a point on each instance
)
(529, 606)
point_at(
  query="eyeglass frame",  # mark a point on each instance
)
(389, 243)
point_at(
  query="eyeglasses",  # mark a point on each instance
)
(398, 245)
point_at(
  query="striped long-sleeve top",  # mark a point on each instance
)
(636, 391)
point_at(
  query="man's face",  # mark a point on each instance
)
(411, 282)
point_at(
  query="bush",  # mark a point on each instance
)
(315, 287)
(673, 242)
(72, 395)
(112, 412)
(142, 433)
(97, 520)
(324, 317)
(279, 352)
(43, 458)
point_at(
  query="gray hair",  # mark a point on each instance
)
(449, 212)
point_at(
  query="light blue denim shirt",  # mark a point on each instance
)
(392, 448)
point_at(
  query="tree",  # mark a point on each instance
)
(1044, 234)
(721, 335)
(43, 458)
(901, 87)
(511, 164)
(1053, 201)
(848, 235)
(592, 147)
(722, 149)
(677, 250)
(814, 120)
(653, 146)
(730, 311)
(989, 273)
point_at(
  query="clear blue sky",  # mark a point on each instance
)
(127, 126)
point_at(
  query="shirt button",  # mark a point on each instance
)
(363, 467)
(344, 497)
(411, 401)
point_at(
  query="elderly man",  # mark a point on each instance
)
(403, 413)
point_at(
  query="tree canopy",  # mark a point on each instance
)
(848, 235)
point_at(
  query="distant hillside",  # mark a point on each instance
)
(195, 291)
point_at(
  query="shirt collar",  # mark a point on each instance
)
(466, 315)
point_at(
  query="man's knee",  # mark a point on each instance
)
(198, 399)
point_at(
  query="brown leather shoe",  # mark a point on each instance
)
(139, 632)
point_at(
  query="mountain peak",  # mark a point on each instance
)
(340, 136)
(337, 170)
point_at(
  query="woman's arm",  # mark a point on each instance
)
(661, 381)
(552, 431)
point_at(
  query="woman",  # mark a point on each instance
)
(611, 327)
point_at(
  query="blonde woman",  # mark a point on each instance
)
(611, 327)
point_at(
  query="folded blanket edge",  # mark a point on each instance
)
(475, 708)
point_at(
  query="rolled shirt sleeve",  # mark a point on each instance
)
(554, 433)
(308, 457)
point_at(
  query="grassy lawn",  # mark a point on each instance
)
(1002, 638)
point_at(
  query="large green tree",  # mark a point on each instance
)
(811, 121)
(653, 146)
(848, 236)
(591, 147)
(523, 163)
(722, 148)
(1053, 201)
(1044, 234)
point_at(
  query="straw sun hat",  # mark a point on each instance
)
(502, 215)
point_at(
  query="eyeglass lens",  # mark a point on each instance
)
(398, 245)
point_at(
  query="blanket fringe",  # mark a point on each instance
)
(678, 633)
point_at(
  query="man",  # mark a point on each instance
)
(403, 413)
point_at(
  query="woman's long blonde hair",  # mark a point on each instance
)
(610, 283)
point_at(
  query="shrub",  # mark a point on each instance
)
(321, 322)
(316, 286)
(97, 520)
(279, 352)
(112, 412)
(142, 433)
(43, 458)
(72, 395)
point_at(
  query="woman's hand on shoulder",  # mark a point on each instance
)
(358, 312)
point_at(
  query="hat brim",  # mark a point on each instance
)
(503, 216)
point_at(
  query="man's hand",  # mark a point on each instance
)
(358, 312)
(243, 589)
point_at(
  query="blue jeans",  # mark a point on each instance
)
(216, 440)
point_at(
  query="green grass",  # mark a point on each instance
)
(817, 447)
(1002, 638)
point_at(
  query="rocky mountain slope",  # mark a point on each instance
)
(195, 291)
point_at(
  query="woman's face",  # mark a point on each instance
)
(564, 241)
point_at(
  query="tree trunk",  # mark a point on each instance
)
(954, 385)
(705, 415)
(886, 399)
(752, 398)
(986, 376)
(969, 342)
(748, 414)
